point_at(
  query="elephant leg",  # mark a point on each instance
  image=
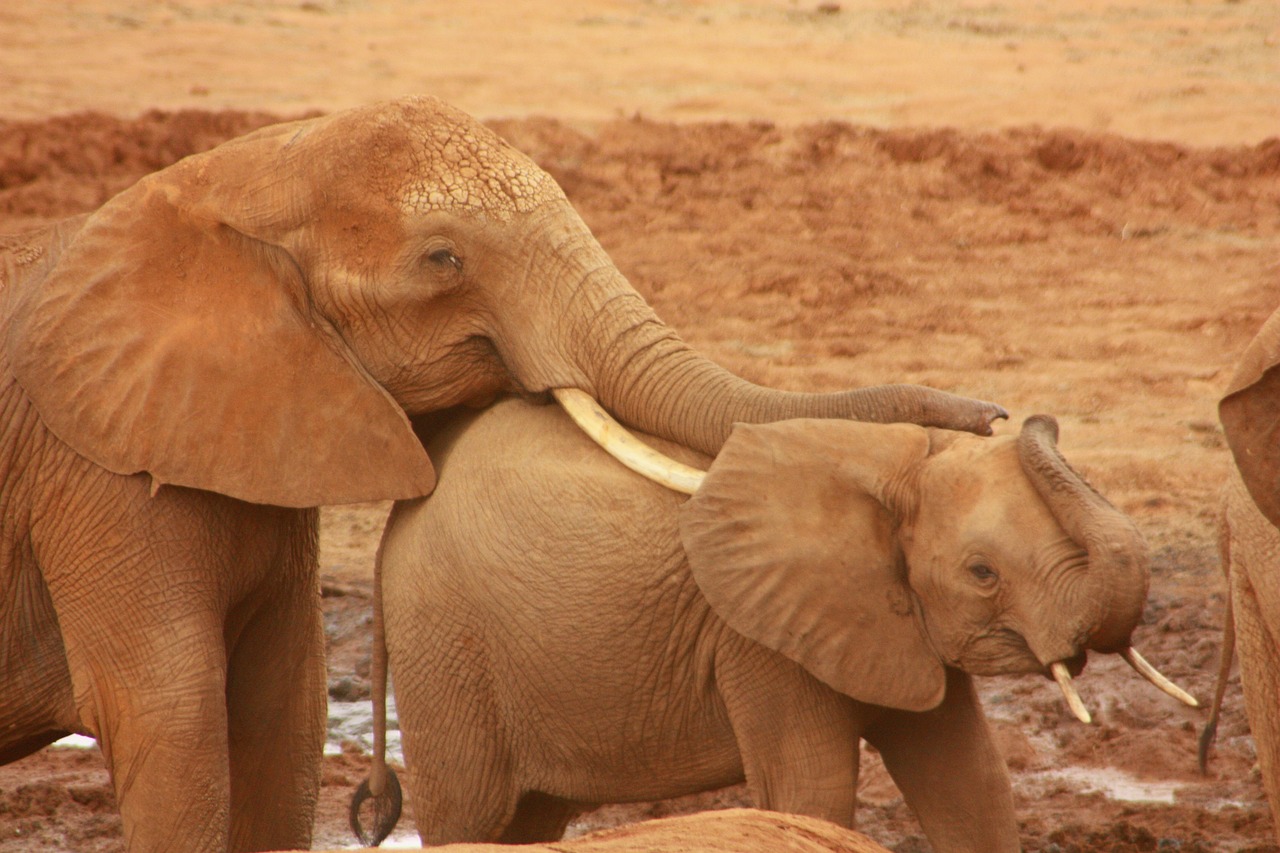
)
(38, 706)
(1259, 678)
(143, 584)
(276, 703)
(1253, 575)
(798, 738)
(459, 802)
(950, 772)
(152, 691)
(460, 777)
(539, 818)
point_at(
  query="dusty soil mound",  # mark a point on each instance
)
(70, 164)
(1108, 281)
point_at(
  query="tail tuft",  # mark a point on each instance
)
(386, 811)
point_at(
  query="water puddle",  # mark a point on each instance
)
(1112, 784)
(348, 722)
(353, 722)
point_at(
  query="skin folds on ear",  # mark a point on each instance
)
(171, 343)
(791, 544)
(1250, 414)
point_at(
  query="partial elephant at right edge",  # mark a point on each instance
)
(563, 633)
(1250, 548)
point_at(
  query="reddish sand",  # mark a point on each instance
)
(850, 196)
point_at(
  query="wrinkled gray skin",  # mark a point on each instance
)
(563, 633)
(188, 371)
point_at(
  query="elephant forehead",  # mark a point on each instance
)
(972, 473)
(424, 156)
(471, 167)
(474, 175)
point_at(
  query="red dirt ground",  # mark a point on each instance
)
(1107, 271)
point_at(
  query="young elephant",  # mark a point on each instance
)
(563, 633)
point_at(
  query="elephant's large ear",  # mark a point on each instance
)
(173, 338)
(1250, 414)
(791, 544)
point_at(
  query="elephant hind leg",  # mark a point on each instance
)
(538, 818)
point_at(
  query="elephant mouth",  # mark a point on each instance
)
(997, 650)
(1062, 671)
(1075, 665)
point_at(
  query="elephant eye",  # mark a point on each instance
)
(445, 257)
(983, 573)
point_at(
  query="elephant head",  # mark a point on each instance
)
(1250, 415)
(259, 319)
(877, 556)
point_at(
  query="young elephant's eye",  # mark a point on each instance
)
(983, 573)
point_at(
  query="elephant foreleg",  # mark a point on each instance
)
(1260, 679)
(1253, 557)
(950, 772)
(162, 729)
(276, 705)
(798, 737)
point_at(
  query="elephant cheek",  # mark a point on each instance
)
(469, 374)
(1001, 651)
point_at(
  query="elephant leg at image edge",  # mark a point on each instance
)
(277, 707)
(1259, 678)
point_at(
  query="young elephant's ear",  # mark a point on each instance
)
(1250, 414)
(789, 540)
(173, 338)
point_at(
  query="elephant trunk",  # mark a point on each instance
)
(1118, 562)
(607, 341)
(642, 371)
(1117, 558)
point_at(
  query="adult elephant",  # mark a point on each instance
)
(1250, 548)
(189, 371)
(828, 581)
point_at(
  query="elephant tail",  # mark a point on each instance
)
(382, 786)
(1225, 660)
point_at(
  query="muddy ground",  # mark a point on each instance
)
(1075, 214)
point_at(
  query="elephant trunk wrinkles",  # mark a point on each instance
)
(653, 381)
(1118, 561)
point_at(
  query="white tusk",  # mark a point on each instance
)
(624, 446)
(1150, 673)
(1074, 702)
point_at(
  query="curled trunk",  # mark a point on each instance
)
(1118, 562)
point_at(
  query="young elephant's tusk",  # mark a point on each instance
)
(1150, 673)
(624, 446)
(1074, 702)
